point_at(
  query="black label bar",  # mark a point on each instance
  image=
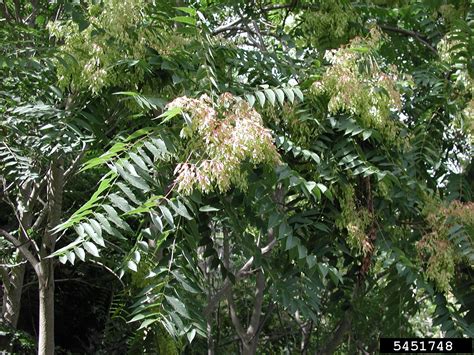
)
(426, 345)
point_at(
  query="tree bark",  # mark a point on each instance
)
(46, 267)
(13, 279)
(339, 334)
(250, 347)
(46, 312)
(253, 331)
(210, 340)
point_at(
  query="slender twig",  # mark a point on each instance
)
(37, 190)
(289, 9)
(75, 163)
(418, 36)
(288, 6)
(32, 17)
(9, 266)
(109, 270)
(40, 219)
(263, 47)
(262, 10)
(22, 227)
(238, 29)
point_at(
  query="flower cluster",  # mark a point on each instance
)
(225, 135)
(117, 32)
(355, 219)
(438, 257)
(356, 84)
(436, 250)
(331, 23)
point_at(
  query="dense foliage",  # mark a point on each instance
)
(235, 176)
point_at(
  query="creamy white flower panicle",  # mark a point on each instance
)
(118, 31)
(369, 94)
(226, 134)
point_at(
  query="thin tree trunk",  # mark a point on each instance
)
(249, 336)
(250, 341)
(250, 348)
(246, 349)
(210, 340)
(46, 269)
(46, 312)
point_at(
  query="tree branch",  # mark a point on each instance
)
(239, 29)
(344, 326)
(229, 295)
(266, 317)
(22, 247)
(263, 47)
(75, 163)
(233, 315)
(339, 334)
(257, 307)
(290, 7)
(54, 205)
(239, 275)
(227, 27)
(40, 219)
(109, 270)
(418, 36)
(24, 238)
(37, 189)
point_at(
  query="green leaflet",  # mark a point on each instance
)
(167, 214)
(104, 185)
(91, 249)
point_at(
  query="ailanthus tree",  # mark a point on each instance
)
(37, 142)
(278, 175)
